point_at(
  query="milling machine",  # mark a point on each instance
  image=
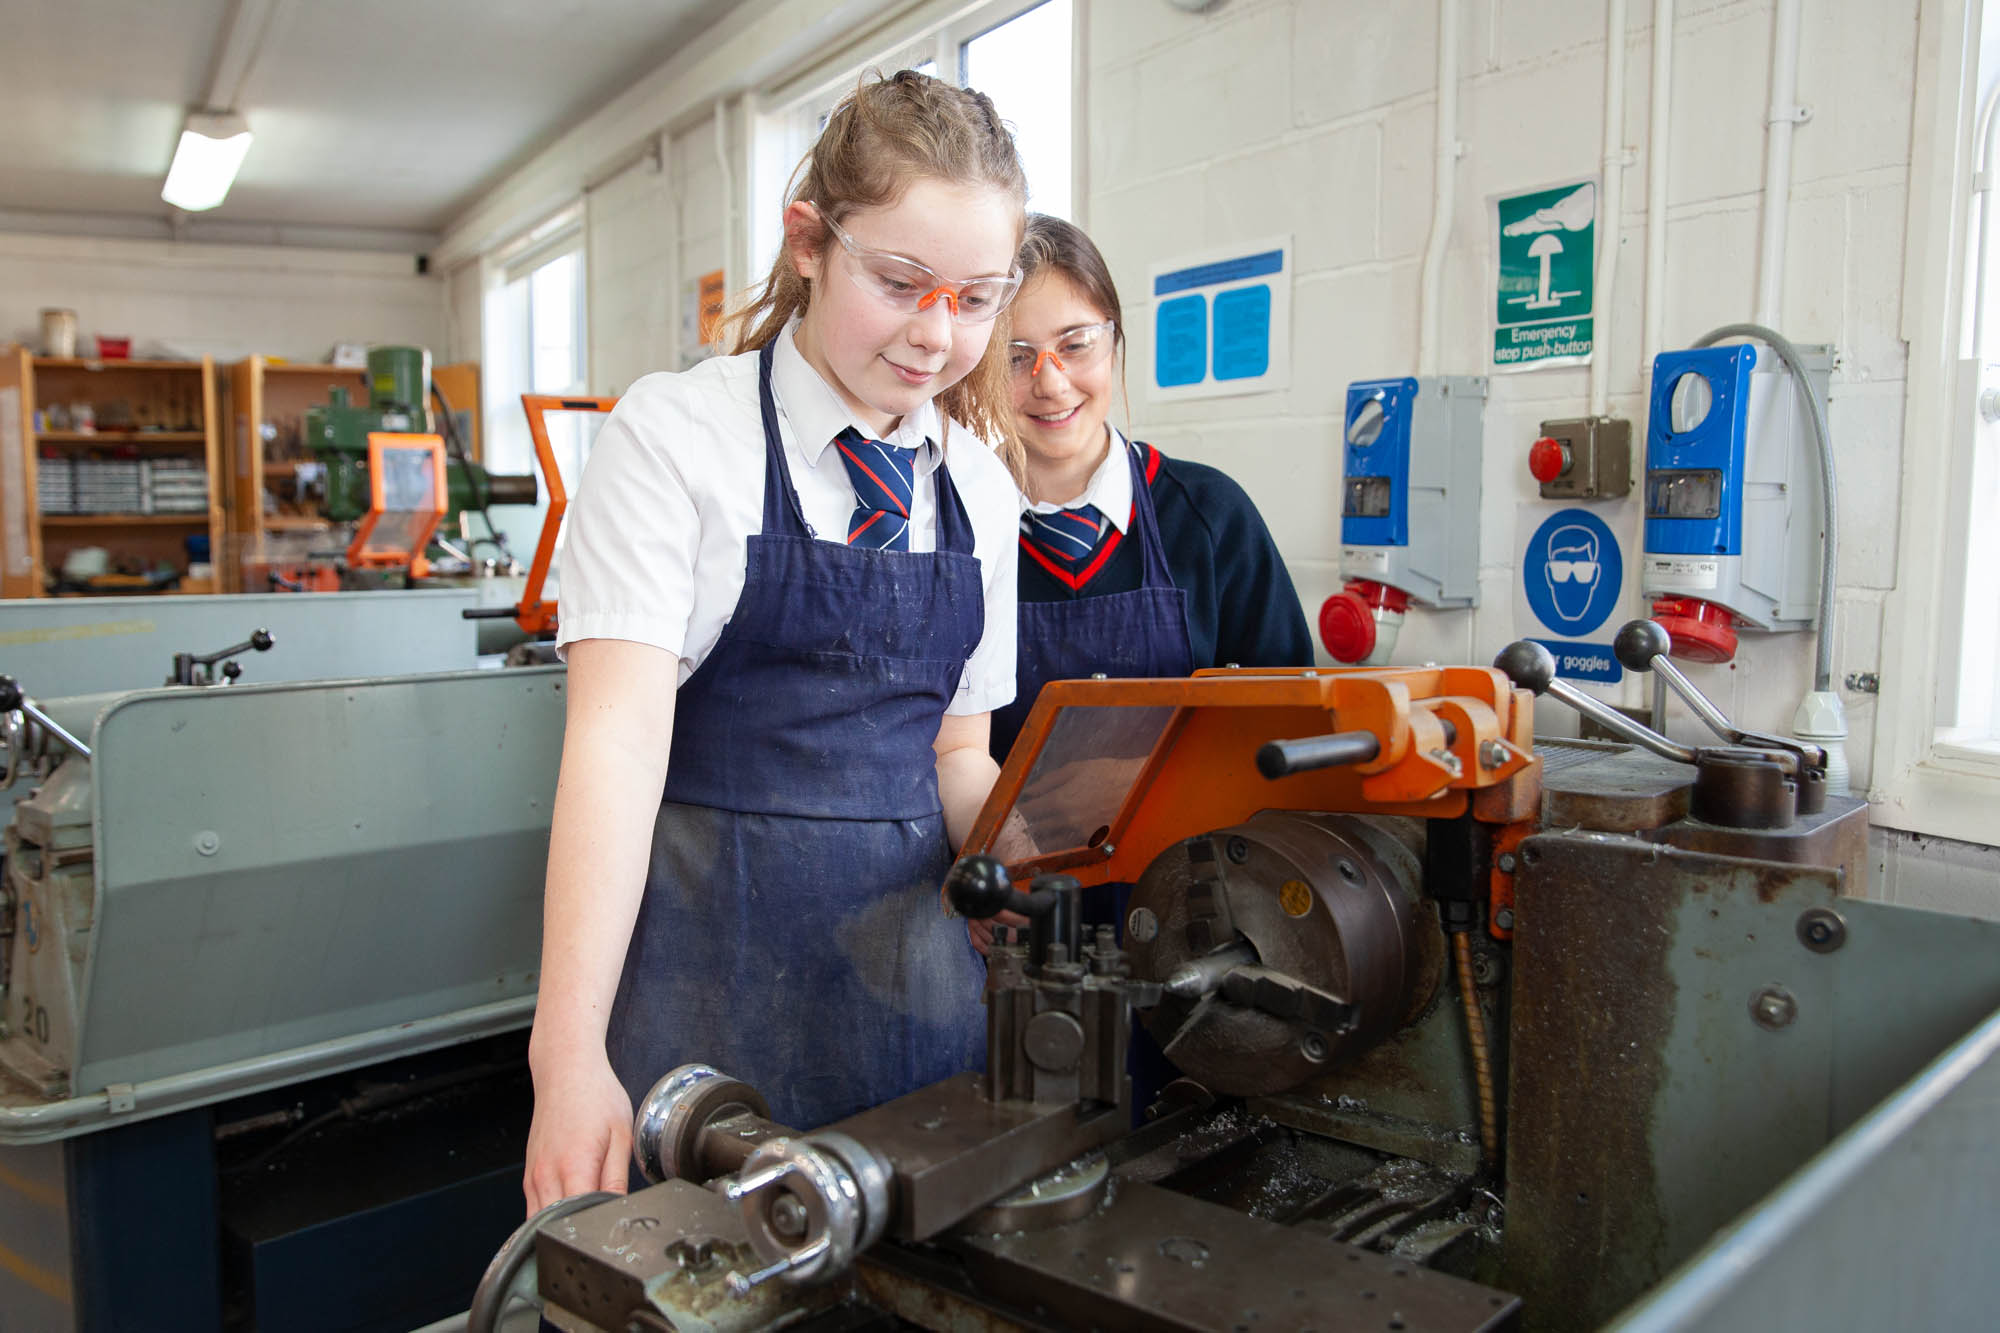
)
(1474, 1032)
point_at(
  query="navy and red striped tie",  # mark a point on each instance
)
(884, 478)
(1068, 536)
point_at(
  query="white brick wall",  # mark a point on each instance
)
(1315, 116)
(224, 301)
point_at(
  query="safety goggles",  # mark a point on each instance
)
(1583, 571)
(1070, 351)
(905, 285)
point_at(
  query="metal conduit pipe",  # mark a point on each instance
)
(1982, 191)
(1657, 128)
(1783, 115)
(1612, 204)
(1429, 334)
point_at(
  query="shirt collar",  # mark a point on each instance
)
(816, 413)
(1109, 488)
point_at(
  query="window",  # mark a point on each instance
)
(535, 342)
(1937, 727)
(1018, 54)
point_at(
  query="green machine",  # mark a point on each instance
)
(399, 399)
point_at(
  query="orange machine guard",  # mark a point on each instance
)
(531, 613)
(408, 550)
(1134, 766)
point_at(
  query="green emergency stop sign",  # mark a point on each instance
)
(1547, 247)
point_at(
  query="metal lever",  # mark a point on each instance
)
(1642, 645)
(260, 641)
(1532, 667)
(11, 698)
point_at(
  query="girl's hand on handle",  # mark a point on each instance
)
(581, 1136)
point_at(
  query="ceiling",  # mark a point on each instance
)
(381, 114)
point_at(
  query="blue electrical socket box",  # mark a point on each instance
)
(1732, 493)
(1409, 513)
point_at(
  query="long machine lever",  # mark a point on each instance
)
(1532, 667)
(1643, 645)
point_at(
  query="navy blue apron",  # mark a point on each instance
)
(790, 932)
(1140, 633)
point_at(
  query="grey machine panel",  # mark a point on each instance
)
(295, 879)
(58, 647)
(1720, 1048)
(1892, 1226)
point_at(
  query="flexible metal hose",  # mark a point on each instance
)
(1482, 1060)
(496, 1286)
(1829, 503)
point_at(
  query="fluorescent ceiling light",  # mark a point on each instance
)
(211, 149)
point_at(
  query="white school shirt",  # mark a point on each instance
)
(658, 531)
(1109, 488)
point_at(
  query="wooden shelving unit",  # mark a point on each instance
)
(143, 410)
(267, 408)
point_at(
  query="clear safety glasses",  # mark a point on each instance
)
(905, 285)
(1070, 351)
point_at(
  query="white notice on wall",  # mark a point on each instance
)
(1222, 322)
(14, 486)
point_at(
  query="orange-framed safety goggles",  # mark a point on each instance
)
(1070, 351)
(903, 284)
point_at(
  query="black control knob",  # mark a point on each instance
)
(1529, 665)
(261, 640)
(979, 887)
(10, 694)
(1639, 642)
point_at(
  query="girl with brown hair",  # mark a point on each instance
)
(788, 611)
(1132, 563)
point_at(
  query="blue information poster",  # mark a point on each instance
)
(1221, 322)
(1572, 586)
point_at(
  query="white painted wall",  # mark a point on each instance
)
(224, 301)
(1315, 117)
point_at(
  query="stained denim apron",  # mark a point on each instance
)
(790, 932)
(1140, 633)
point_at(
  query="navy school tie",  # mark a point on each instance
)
(884, 478)
(1068, 536)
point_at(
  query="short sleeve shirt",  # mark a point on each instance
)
(658, 531)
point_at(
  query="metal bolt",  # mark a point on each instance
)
(1449, 760)
(208, 842)
(1485, 969)
(1773, 1007)
(1109, 849)
(1504, 918)
(1238, 850)
(1821, 929)
(1493, 754)
(1507, 863)
(1098, 675)
(788, 1217)
(1313, 1047)
(1864, 682)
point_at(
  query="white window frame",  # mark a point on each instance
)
(782, 122)
(1928, 778)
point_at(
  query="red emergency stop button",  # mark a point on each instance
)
(1347, 620)
(1548, 459)
(1700, 631)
